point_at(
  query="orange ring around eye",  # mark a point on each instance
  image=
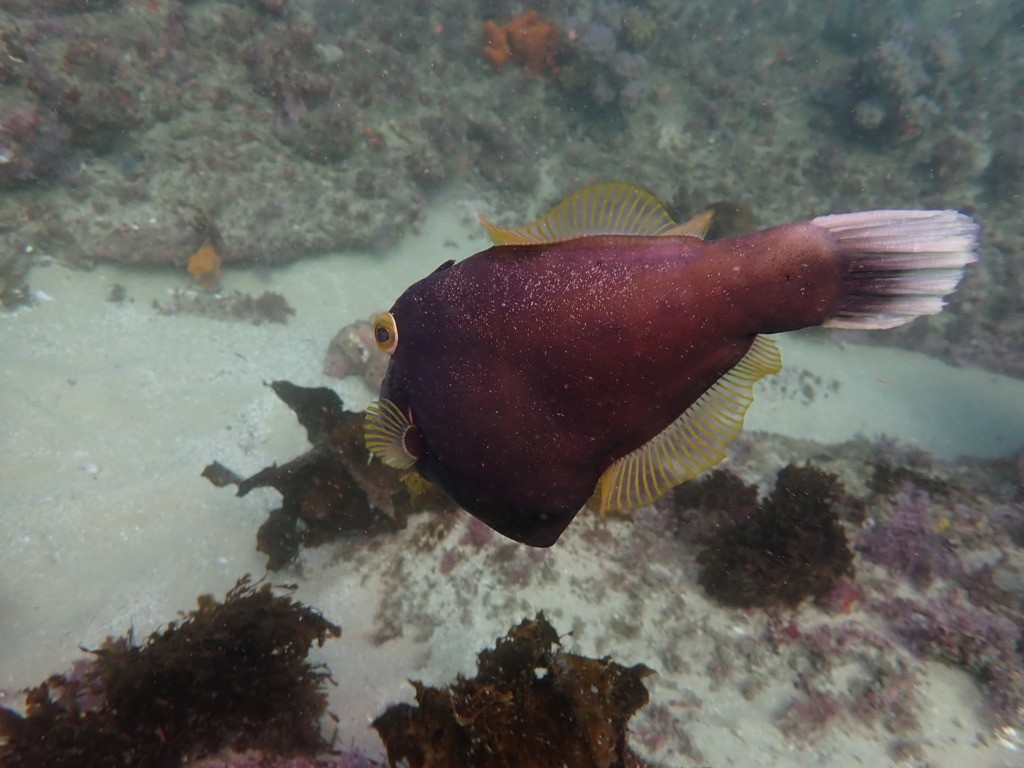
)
(385, 332)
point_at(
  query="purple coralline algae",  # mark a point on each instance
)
(844, 672)
(987, 644)
(909, 543)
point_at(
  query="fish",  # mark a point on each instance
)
(604, 354)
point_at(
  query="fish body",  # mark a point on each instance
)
(532, 373)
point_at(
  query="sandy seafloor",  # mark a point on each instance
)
(111, 411)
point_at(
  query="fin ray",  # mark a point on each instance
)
(693, 443)
(614, 208)
(899, 264)
(384, 432)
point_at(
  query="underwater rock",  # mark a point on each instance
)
(847, 671)
(322, 134)
(793, 547)
(1003, 177)
(32, 144)
(285, 64)
(899, 87)
(230, 674)
(60, 6)
(205, 107)
(83, 78)
(530, 704)
(353, 352)
(604, 63)
(92, 94)
(332, 490)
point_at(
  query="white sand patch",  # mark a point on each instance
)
(943, 409)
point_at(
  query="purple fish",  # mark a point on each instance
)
(605, 352)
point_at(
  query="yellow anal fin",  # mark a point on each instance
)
(614, 208)
(384, 431)
(693, 443)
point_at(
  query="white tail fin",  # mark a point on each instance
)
(899, 264)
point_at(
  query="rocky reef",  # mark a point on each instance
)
(349, 121)
(932, 560)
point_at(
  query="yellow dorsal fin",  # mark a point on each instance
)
(693, 443)
(384, 432)
(698, 226)
(615, 208)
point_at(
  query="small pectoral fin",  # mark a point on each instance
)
(391, 436)
(615, 208)
(693, 443)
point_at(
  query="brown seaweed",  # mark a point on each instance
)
(229, 674)
(530, 704)
(268, 307)
(332, 490)
(14, 269)
(793, 547)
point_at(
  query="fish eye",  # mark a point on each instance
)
(385, 333)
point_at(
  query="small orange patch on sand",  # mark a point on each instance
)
(204, 266)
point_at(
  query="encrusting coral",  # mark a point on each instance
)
(204, 266)
(527, 40)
